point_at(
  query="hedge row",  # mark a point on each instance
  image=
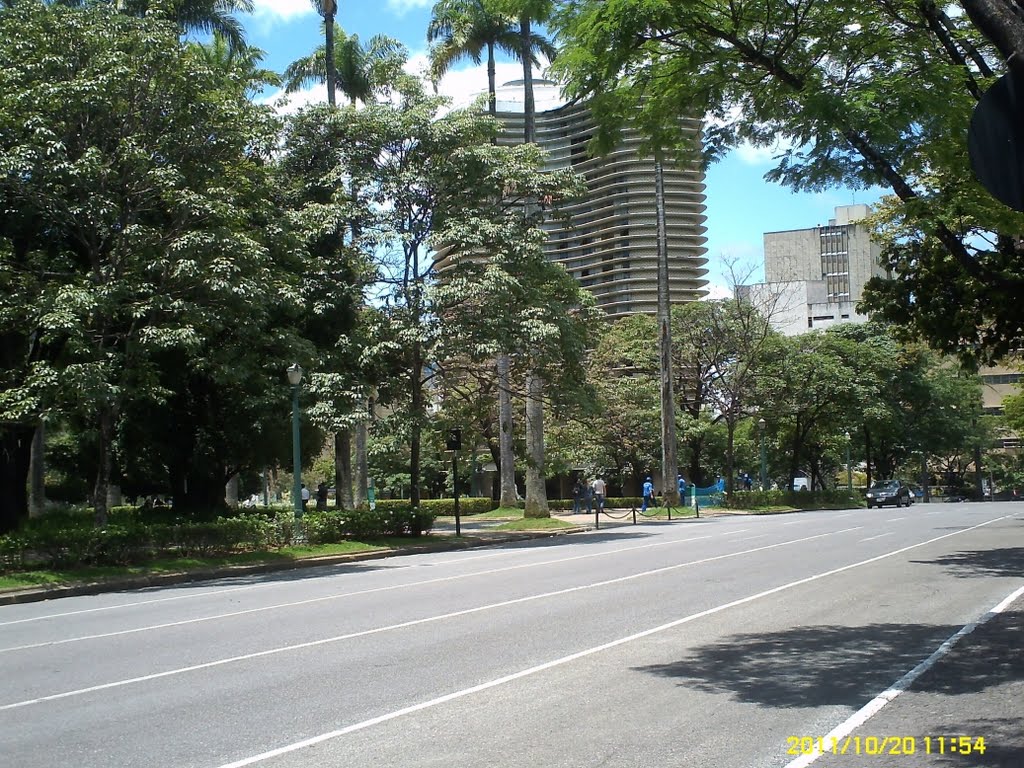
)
(798, 499)
(69, 539)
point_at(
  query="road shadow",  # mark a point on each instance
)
(1007, 561)
(837, 665)
(1004, 743)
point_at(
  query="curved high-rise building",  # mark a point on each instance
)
(608, 240)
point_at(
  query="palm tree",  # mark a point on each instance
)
(464, 29)
(202, 16)
(529, 11)
(358, 72)
(241, 63)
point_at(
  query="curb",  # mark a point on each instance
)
(39, 594)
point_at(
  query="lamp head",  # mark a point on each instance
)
(294, 374)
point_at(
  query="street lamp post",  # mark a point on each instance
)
(764, 455)
(295, 379)
(849, 469)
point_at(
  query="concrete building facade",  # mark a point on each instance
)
(607, 240)
(821, 271)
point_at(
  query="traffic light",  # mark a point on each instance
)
(454, 440)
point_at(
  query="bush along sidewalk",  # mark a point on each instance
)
(135, 536)
(826, 499)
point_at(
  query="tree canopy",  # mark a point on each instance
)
(848, 94)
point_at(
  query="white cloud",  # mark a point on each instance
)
(717, 291)
(402, 7)
(281, 10)
(462, 86)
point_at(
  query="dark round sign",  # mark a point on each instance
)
(995, 141)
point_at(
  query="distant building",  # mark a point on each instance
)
(818, 273)
(608, 242)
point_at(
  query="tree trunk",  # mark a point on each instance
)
(362, 469)
(15, 456)
(330, 7)
(529, 113)
(37, 472)
(415, 429)
(507, 465)
(669, 457)
(231, 492)
(106, 463)
(867, 456)
(536, 491)
(730, 459)
(343, 469)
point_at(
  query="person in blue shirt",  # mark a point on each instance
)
(648, 495)
(681, 486)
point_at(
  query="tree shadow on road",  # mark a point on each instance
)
(837, 665)
(1008, 561)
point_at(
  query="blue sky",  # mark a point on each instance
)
(741, 206)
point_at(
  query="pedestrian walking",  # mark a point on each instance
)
(681, 487)
(648, 492)
(321, 497)
(588, 497)
(577, 495)
(599, 488)
(305, 497)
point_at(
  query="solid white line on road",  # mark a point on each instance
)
(340, 595)
(405, 624)
(869, 710)
(795, 522)
(738, 530)
(894, 519)
(845, 514)
(207, 593)
(573, 657)
(872, 538)
(751, 538)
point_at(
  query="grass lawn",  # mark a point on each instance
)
(501, 513)
(41, 578)
(533, 524)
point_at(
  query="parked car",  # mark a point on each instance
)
(888, 492)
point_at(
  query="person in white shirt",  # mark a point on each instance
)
(599, 489)
(305, 496)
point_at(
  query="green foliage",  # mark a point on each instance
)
(827, 499)
(848, 94)
(468, 505)
(363, 524)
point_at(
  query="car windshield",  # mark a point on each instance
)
(886, 484)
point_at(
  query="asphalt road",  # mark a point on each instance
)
(713, 642)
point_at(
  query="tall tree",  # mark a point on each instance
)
(360, 72)
(464, 29)
(529, 12)
(143, 235)
(861, 94)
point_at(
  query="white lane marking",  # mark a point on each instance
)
(795, 522)
(402, 625)
(751, 538)
(340, 595)
(894, 519)
(845, 514)
(738, 530)
(869, 710)
(259, 586)
(572, 657)
(872, 538)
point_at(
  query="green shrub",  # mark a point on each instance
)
(325, 527)
(833, 497)
(470, 505)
